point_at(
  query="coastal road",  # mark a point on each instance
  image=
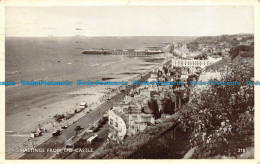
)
(86, 121)
(58, 142)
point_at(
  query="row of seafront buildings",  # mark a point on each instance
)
(121, 52)
(135, 113)
(131, 115)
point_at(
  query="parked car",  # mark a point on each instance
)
(90, 130)
(93, 128)
(78, 128)
(56, 133)
(64, 127)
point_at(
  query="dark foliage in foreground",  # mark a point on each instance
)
(221, 121)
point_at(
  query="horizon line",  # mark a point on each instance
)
(130, 36)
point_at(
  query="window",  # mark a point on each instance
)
(111, 122)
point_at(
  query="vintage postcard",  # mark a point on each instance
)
(129, 81)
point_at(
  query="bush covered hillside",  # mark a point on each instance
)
(222, 45)
(221, 119)
(242, 50)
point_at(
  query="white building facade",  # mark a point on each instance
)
(191, 63)
(118, 123)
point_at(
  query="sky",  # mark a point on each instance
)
(128, 21)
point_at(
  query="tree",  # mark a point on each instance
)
(168, 107)
(153, 105)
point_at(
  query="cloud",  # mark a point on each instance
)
(79, 29)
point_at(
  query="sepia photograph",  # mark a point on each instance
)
(129, 82)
